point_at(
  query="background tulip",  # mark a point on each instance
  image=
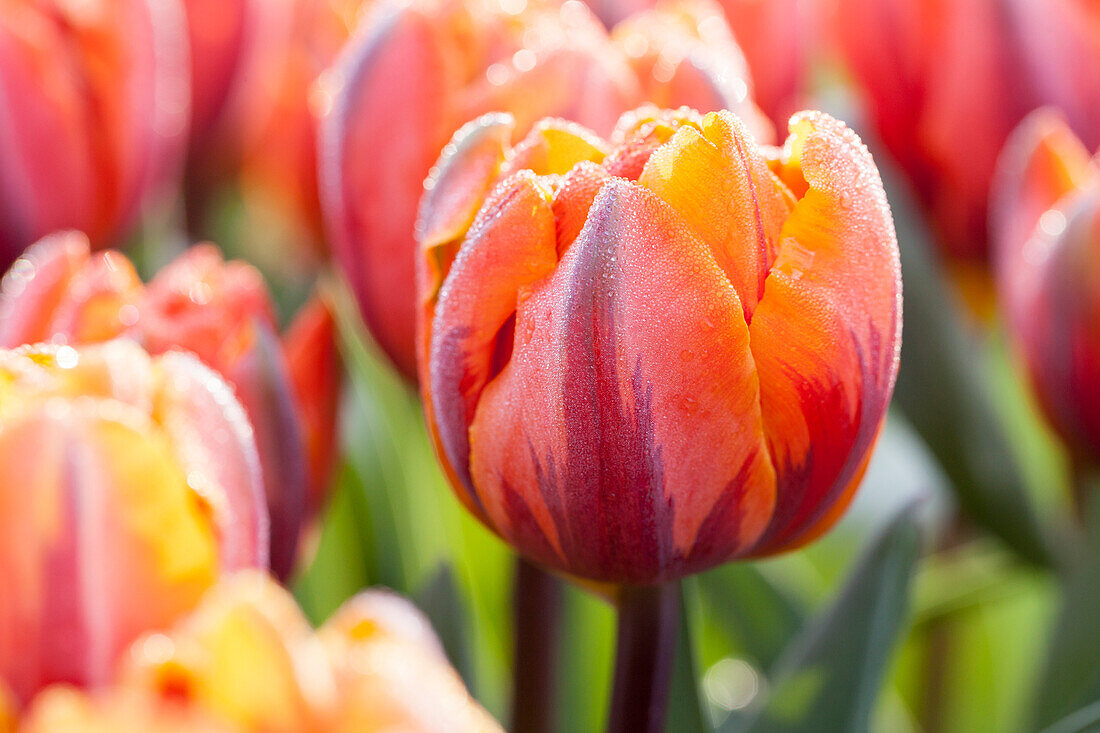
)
(247, 660)
(645, 358)
(222, 312)
(915, 63)
(776, 36)
(94, 115)
(127, 485)
(1046, 223)
(460, 59)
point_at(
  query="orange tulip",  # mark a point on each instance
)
(127, 485)
(1046, 228)
(946, 82)
(222, 312)
(93, 115)
(247, 661)
(431, 65)
(644, 358)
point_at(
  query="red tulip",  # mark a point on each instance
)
(220, 311)
(655, 355)
(1046, 227)
(217, 32)
(946, 82)
(315, 373)
(127, 485)
(94, 114)
(429, 66)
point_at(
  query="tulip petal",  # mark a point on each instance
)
(259, 374)
(1043, 162)
(397, 118)
(553, 147)
(590, 411)
(315, 372)
(511, 244)
(718, 181)
(210, 433)
(827, 332)
(36, 284)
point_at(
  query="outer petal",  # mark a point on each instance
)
(34, 286)
(261, 380)
(718, 181)
(511, 244)
(315, 375)
(826, 349)
(1042, 163)
(578, 447)
(1056, 302)
(58, 290)
(377, 144)
(210, 433)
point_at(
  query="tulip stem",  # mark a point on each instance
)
(537, 603)
(649, 622)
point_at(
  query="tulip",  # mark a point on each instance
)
(776, 38)
(217, 32)
(220, 311)
(915, 61)
(94, 118)
(315, 375)
(661, 353)
(128, 484)
(532, 58)
(1046, 228)
(246, 660)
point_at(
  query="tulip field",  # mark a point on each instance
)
(549, 366)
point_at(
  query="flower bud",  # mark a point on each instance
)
(1046, 227)
(128, 484)
(662, 352)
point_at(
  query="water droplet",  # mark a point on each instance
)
(67, 357)
(1052, 222)
(687, 355)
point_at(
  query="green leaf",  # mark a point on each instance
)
(829, 677)
(440, 600)
(1070, 682)
(755, 618)
(943, 389)
(340, 567)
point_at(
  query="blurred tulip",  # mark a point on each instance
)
(216, 31)
(220, 311)
(315, 374)
(93, 114)
(127, 485)
(646, 358)
(247, 661)
(946, 82)
(776, 37)
(1046, 227)
(434, 64)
